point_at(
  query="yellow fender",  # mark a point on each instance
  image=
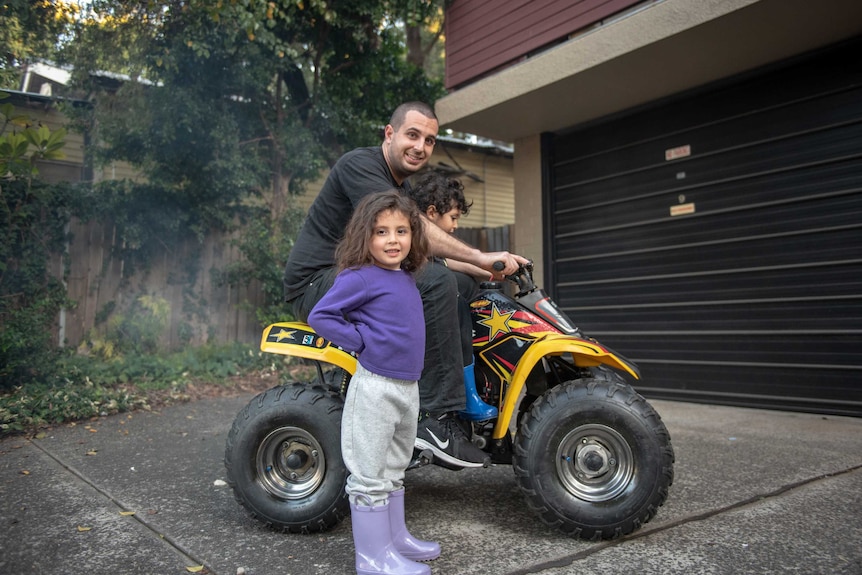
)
(300, 340)
(584, 353)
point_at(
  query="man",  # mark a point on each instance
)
(408, 142)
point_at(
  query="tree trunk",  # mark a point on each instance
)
(415, 53)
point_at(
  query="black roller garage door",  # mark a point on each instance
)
(716, 238)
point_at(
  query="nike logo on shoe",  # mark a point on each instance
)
(440, 444)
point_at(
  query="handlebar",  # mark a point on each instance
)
(523, 277)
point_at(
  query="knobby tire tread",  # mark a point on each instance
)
(306, 397)
(603, 393)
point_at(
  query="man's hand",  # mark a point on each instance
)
(510, 263)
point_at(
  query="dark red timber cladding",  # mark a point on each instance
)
(482, 36)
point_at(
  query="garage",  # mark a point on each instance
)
(715, 237)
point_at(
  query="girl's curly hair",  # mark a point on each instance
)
(353, 250)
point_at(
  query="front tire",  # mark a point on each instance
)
(593, 459)
(283, 458)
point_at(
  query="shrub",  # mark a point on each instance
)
(80, 387)
(33, 216)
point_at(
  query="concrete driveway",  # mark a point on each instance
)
(755, 492)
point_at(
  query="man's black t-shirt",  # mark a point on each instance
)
(357, 173)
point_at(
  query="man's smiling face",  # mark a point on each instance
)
(408, 148)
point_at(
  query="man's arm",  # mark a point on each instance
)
(445, 245)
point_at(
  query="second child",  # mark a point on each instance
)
(441, 200)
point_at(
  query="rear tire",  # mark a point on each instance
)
(283, 458)
(593, 459)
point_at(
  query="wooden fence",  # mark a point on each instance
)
(202, 309)
(184, 276)
(488, 239)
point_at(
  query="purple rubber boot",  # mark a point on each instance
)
(375, 552)
(406, 544)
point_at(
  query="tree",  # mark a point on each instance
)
(229, 108)
(30, 30)
(424, 27)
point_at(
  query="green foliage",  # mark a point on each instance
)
(38, 405)
(33, 216)
(30, 29)
(212, 363)
(82, 387)
(22, 144)
(266, 246)
(230, 108)
(226, 110)
(136, 331)
(26, 341)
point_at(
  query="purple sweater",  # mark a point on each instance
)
(376, 313)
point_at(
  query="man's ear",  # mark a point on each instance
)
(388, 131)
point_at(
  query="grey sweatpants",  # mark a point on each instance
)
(378, 429)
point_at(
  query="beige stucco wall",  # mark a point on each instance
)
(528, 203)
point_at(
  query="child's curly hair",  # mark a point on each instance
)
(439, 190)
(353, 251)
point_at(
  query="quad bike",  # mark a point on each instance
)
(590, 455)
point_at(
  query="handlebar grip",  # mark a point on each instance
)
(499, 266)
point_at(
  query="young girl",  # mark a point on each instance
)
(374, 310)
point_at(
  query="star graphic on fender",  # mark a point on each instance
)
(284, 334)
(497, 323)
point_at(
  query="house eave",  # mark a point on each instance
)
(658, 50)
